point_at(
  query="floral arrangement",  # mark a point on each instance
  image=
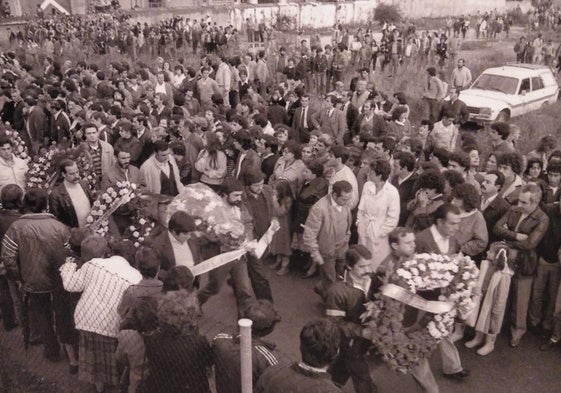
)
(41, 173)
(112, 199)
(403, 347)
(44, 169)
(19, 146)
(212, 215)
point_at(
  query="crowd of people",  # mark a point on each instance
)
(355, 188)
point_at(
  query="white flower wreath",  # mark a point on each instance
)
(455, 279)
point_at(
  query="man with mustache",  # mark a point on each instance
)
(345, 303)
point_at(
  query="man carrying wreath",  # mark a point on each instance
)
(439, 239)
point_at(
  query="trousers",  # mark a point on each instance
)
(328, 273)
(237, 270)
(424, 377)
(355, 367)
(7, 304)
(451, 362)
(521, 289)
(546, 281)
(259, 282)
(41, 313)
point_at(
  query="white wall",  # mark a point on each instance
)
(307, 14)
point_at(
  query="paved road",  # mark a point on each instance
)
(521, 370)
(506, 370)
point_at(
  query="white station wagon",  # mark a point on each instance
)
(512, 90)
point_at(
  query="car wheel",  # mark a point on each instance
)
(503, 116)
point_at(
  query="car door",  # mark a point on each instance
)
(551, 88)
(537, 97)
(519, 100)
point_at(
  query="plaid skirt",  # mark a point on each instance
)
(97, 359)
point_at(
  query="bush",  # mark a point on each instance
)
(518, 17)
(387, 13)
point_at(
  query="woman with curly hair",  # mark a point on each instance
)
(179, 357)
(429, 195)
(511, 166)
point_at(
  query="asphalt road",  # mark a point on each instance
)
(521, 370)
(506, 370)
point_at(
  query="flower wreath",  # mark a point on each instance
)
(212, 215)
(108, 202)
(19, 146)
(41, 173)
(44, 169)
(403, 347)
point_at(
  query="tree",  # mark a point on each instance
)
(387, 13)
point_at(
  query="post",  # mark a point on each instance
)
(245, 355)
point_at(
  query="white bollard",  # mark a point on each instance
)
(245, 355)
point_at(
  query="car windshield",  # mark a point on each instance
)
(503, 84)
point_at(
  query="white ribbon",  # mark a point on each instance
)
(256, 248)
(411, 299)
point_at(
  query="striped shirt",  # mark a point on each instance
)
(95, 152)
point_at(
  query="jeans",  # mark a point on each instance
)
(240, 280)
(547, 279)
(259, 282)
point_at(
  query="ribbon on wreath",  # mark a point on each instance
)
(411, 299)
(255, 247)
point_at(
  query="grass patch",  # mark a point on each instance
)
(537, 124)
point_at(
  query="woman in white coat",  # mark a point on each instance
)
(378, 211)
